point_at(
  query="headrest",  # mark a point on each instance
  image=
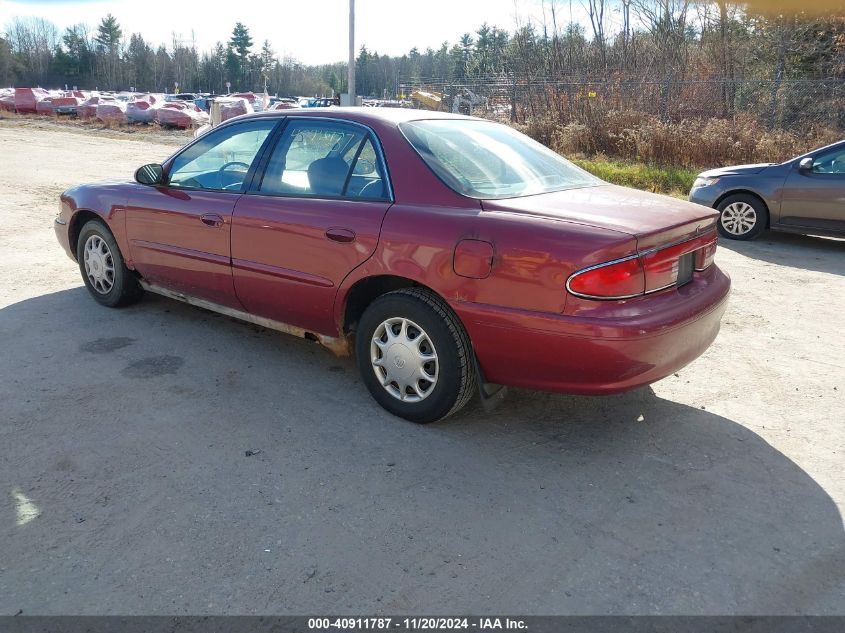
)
(326, 176)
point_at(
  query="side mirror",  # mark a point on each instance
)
(806, 164)
(152, 174)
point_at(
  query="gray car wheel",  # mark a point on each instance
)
(742, 217)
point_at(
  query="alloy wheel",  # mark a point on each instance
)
(738, 218)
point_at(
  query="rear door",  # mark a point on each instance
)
(179, 233)
(815, 199)
(313, 216)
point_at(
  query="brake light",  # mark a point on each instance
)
(651, 271)
(620, 279)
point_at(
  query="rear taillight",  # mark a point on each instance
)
(650, 271)
(663, 268)
(704, 256)
(620, 279)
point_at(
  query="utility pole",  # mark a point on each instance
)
(351, 90)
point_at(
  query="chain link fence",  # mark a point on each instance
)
(689, 122)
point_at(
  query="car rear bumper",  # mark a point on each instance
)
(655, 336)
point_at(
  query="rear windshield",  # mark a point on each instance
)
(482, 159)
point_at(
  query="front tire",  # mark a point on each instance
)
(103, 270)
(742, 217)
(414, 356)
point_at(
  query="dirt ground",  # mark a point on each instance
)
(126, 488)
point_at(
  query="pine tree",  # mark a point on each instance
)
(108, 34)
(239, 45)
(108, 47)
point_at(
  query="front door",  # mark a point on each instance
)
(179, 232)
(314, 216)
(815, 198)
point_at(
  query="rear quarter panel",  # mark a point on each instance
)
(532, 257)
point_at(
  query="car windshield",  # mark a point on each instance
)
(482, 159)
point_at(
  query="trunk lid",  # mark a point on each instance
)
(654, 220)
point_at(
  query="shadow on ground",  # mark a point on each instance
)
(128, 430)
(822, 254)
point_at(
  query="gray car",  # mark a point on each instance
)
(803, 195)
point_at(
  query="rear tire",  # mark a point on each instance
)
(742, 217)
(103, 270)
(415, 356)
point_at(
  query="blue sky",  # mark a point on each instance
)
(313, 31)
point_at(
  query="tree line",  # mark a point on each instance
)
(666, 41)
(33, 52)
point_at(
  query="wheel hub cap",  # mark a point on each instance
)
(404, 360)
(99, 264)
(739, 218)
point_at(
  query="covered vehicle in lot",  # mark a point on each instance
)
(448, 252)
(7, 100)
(190, 97)
(88, 108)
(45, 106)
(111, 111)
(142, 108)
(282, 103)
(26, 99)
(230, 107)
(180, 114)
(67, 104)
(805, 194)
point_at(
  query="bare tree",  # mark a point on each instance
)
(626, 31)
(33, 40)
(666, 22)
(597, 10)
(727, 59)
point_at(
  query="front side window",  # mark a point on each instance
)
(482, 159)
(830, 162)
(324, 159)
(221, 159)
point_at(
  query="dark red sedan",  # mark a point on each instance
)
(449, 253)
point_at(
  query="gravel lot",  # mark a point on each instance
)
(126, 488)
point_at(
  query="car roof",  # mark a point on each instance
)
(393, 116)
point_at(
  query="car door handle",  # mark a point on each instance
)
(340, 235)
(211, 219)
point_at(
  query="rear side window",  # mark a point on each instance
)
(482, 159)
(324, 159)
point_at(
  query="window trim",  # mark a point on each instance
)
(250, 174)
(369, 133)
